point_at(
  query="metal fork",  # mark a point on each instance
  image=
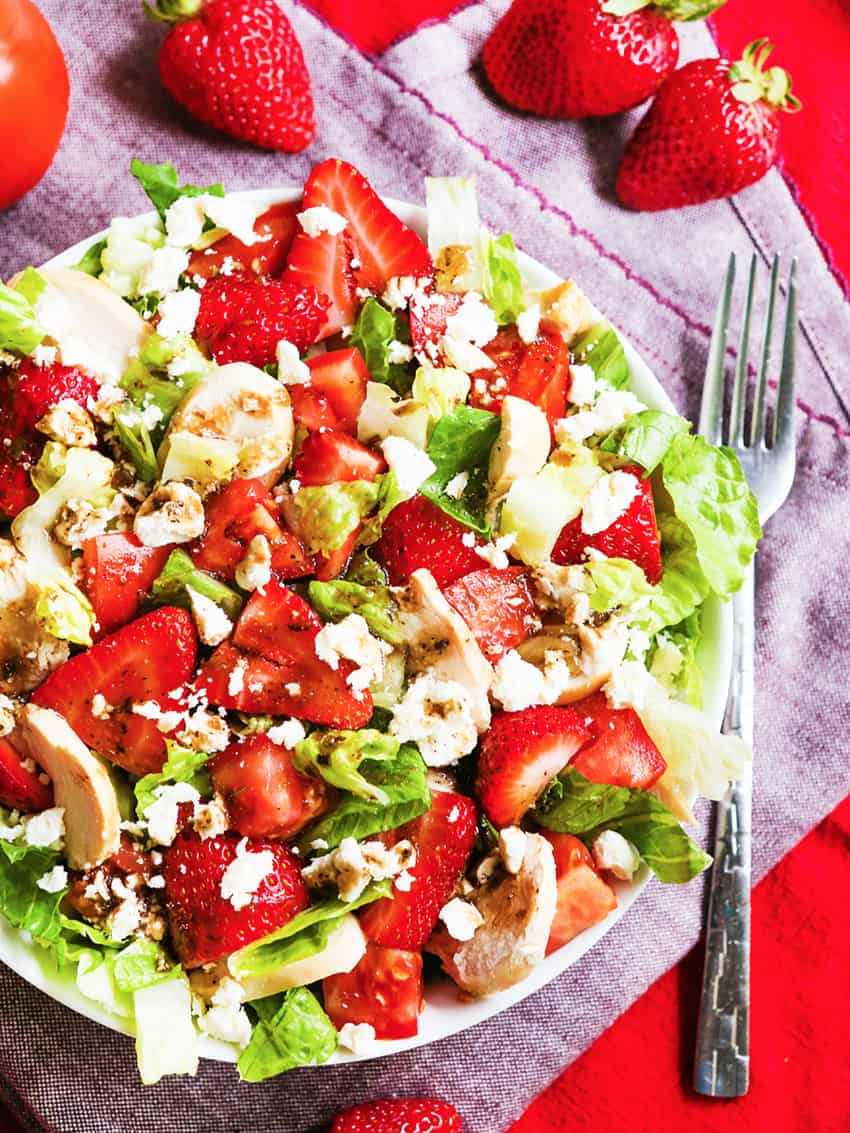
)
(768, 456)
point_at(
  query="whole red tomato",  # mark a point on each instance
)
(33, 98)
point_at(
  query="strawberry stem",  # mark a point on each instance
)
(751, 82)
(172, 11)
(682, 10)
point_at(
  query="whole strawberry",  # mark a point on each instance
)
(400, 1115)
(586, 58)
(712, 130)
(236, 65)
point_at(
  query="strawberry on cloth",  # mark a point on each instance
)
(236, 65)
(362, 246)
(400, 1115)
(418, 534)
(223, 892)
(712, 130)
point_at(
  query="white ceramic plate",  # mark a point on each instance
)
(444, 1014)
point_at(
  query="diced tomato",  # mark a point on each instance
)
(142, 661)
(273, 645)
(385, 990)
(275, 229)
(21, 789)
(621, 752)
(583, 897)
(537, 372)
(497, 606)
(266, 796)
(234, 515)
(118, 571)
(634, 535)
(328, 458)
(341, 376)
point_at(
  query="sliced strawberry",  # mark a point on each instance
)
(443, 837)
(205, 925)
(373, 247)
(419, 534)
(21, 789)
(234, 515)
(16, 488)
(340, 376)
(275, 230)
(429, 314)
(37, 388)
(312, 409)
(265, 796)
(621, 751)
(385, 990)
(273, 646)
(141, 662)
(583, 897)
(634, 535)
(521, 754)
(537, 372)
(118, 571)
(497, 606)
(332, 565)
(331, 457)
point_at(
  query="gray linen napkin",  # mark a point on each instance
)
(423, 108)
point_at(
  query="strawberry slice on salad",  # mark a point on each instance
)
(418, 534)
(443, 837)
(520, 756)
(538, 372)
(332, 457)
(372, 248)
(35, 389)
(335, 394)
(621, 751)
(118, 571)
(583, 896)
(269, 666)
(20, 788)
(633, 535)
(497, 606)
(140, 663)
(275, 229)
(385, 989)
(216, 904)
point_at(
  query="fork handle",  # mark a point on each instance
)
(722, 1064)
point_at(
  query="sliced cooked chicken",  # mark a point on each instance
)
(28, 653)
(522, 446)
(578, 659)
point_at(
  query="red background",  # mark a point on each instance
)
(635, 1077)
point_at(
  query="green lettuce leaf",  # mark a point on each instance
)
(710, 494)
(336, 600)
(90, 263)
(327, 515)
(336, 756)
(20, 330)
(574, 805)
(147, 382)
(305, 935)
(171, 588)
(161, 185)
(673, 660)
(454, 223)
(375, 329)
(65, 612)
(22, 903)
(646, 437)
(183, 765)
(502, 278)
(461, 443)
(601, 349)
(389, 496)
(166, 1039)
(291, 1030)
(135, 439)
(405, 782)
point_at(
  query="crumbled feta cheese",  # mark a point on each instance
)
(126, 919)
(255, 569)
(290, 369)
(612, 852)
(350, 639)
(204, 731)
(473, 322)
(163, 814)
(226, 1019)
(639, 642)
(512, 843)
(236, 679)
(399, 352)
(11, 830)
(404, 881)
(68, 423)
(44, 355)
(184, 222)
(667, 660)
(245, 874)
(461, 919)
(211, 819)
(156, 882)
(399, 289)
(494, 553)
(628, 685)
(54, 881)
(151, 415)
(411, 465)
(518, 683)
(236, 214)
(352, 865)
(607, 500)
(288, 733)
(163, 271)
(102, 406)
(468, 539)
(594, 555)
(582, 385)
(437, 715)
(165, 721)
(359, 1038)
(293, 688)
(212, 622)
(178, 312)
(319, 219)
(465, 356)
(457, 485)
(610, 411)
(45, 829)
(172, 513)
(7, 714)
(528, 323)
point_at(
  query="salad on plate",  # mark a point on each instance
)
(351, 608)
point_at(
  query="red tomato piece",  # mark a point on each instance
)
(143, 661)
(21, 789)
(234, 515)
(341, 376)
(583, 897)
(621, 752)
(118, 571)
(266, 256)
(537, 372)
(332, 457)
(266, 796)
(497, 606)
(385, 989)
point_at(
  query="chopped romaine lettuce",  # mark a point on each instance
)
(147, 380)
(161, 185)
(20, 331)
(50, 466)
(337, 599)
(327, 515)
(135, 440)
(166, 1039)
(440, 389)
(537, 507)
(376, 328)
(646, 437)
(336, 757)
(454, 226)
(502, 281)
(91, 263)
(189, 456)
(130, 245)
(171, 588)
(22, 902)
(601, 349)
(183, 765)
(673, 660)
(461, 443)
(65, 612)
(291, 1029)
